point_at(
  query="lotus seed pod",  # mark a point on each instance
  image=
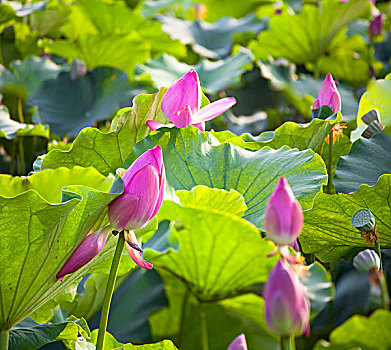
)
(371, 116)
(366, 261)
(374, 128)
(363, 220)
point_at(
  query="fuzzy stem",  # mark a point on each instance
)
(109, 291)
(20, 110)
(287, 342)
(4, 339)
(204, 329)
(21, 156)
(329, 164)
(378, 251)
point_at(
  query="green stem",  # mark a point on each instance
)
(204, 329)
(287, 342)
(20, 110)
(329, 163)
(378, 251)
(21, 154)
(13, 156)
(384, 291)
(109, 291)
(4, 339)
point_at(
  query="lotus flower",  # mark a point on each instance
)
(182, 101)
(376, 26)
(239, 343)
(133, 209)
(143, 195)
(284, 217)
(287, 306)
(328, 95)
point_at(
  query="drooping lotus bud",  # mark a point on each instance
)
(287, 306)
(239, 343)
(366, 261)
(85, 252)
(376, 26)
(328, 95)
(143, 194)
(284, 217)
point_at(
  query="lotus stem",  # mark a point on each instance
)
(287, 342)
(329, 163)
(109, 291)
(378, 251)
(4, 339)
(205, 341)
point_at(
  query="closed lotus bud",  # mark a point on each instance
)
(284, 217)
(376, 26)
(143, 192)
(85, 252)
(328, 95)
(239, 343)
(366, 261)
(287, 306)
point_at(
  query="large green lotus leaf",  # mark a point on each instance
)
(360, 332)
(366, 162)
(120, 51)
(38, 237)
(107, 151)
(377, 97)
(35, 337)
(309, 35)
(229, 8)
(214, 76)
(210, 40)
(213, 198)
(69, 105)
(194, 158)
(209, 258)
(26, 77)
(112, 344)
(10, 128)
(49, 183)
(190, 324)
(294, 135)
(348, 63)
(328, 232)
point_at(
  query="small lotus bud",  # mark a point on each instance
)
(366, 261)
(284, 216)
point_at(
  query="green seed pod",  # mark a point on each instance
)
(363, 220)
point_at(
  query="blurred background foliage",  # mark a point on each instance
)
(66, 65)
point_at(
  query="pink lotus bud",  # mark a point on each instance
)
(376, 26)
(182, 101)
(239, 343)
(287, 306)
(328, 95)
(85, 252)
(284, 217)
(143, 194)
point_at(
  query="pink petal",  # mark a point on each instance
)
(335, 102)
(185, 91)
(122, 210)
(316, 104)
(213, 110)
(182, 118)
(154, 125)
(135, 254)
(239, 343)
(144, 184)
(200, 126)
(85, 252)
(161, 190)
(152, 156)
